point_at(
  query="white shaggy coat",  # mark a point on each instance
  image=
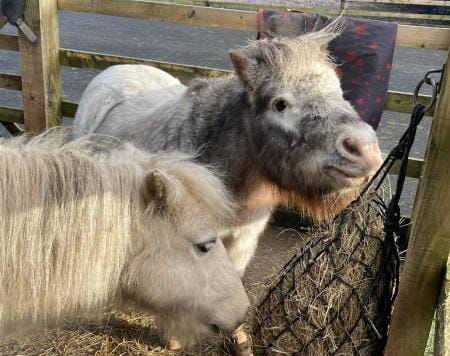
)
(82, 229)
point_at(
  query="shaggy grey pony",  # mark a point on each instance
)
(278, 130)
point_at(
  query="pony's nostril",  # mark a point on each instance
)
(364, 153)
(215, 328)
(359, 149)
(353, 147)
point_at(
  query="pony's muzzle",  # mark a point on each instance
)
(359, 146)
(235, 317)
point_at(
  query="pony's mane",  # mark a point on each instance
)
(65, 214)
(69, 213)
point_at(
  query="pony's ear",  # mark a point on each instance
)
(158, 192)
(246, 65)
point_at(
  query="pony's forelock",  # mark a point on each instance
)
(293, 57)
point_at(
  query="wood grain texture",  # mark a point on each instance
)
(404, 102)
(41, 83)
(69, 108)
(442, 334)
(9, 42)
(10, 81)
(319, 10)
(413, 170)
(13, 114)
(423, 37)
(407, 2)
(186, 14)
(429, 243)
(83, 59)
(10, 114)
(408, 36)
(370, 13)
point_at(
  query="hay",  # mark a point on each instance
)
(118, 333)
(329, 296)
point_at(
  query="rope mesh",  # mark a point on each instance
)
(334, 297)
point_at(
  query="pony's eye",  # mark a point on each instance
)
(204, 247)
(280, 105)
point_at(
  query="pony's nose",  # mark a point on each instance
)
(240, 315)
(360, 147)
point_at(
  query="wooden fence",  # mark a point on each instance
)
(429, 246)
(408, 2)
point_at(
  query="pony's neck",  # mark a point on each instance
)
(224, 112)
(219, 118)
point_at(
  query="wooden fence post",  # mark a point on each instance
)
(429, 244)
(442, 333)
(41, 83)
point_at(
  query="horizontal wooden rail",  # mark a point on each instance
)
(226, 3)
(147, 9)
(403, 102)
(319, 10)
(10, 81)
(414, 167)
(10, 114)
(423, 37)
(246, 6)
(13, 114)
(69, 108)
(9, 42)
(406, 2)
(396, 101)
(408, 36)
(180, 13)
(83, 59)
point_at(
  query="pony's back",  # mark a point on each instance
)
(123, 91)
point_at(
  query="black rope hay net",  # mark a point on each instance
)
(335, 296)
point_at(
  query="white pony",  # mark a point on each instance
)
(95, 223)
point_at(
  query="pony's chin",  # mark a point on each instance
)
(342, 181)
(186, 331)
